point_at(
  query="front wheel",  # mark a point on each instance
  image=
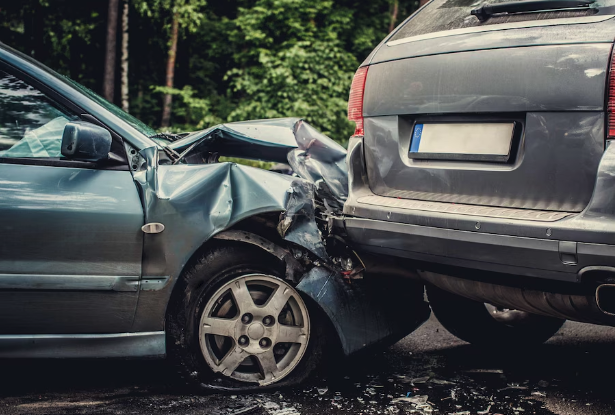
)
(240, 325)
(485, 325)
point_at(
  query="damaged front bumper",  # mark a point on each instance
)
(375, 311)
(200, 200)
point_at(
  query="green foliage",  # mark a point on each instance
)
(292, 63)
(196, 112)
(236, 59)
(190, 12)
(266, 165)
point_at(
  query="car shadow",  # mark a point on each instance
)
(33, 376)
(574, 366)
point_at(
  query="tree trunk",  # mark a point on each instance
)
(137, 108)
(124, 82)
(422, 3)
(109, 78)
(39, 51)
(28, 29)
(394, 13)
(168, 98)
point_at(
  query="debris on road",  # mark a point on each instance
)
(419, 399)
(512, 386)
(485, 412)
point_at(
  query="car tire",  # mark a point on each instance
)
(478, 323)
(208, 300)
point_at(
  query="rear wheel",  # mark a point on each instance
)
(483, 324)
(237, 324)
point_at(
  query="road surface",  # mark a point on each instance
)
(432, 371)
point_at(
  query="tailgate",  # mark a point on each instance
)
(553, 96)
(506, 113)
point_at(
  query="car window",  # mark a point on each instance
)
(443, 15)
(30, 124)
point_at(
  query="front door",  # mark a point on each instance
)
(70, 237)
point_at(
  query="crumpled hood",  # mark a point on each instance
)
(312, 155)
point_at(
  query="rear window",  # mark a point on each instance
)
(443, 15)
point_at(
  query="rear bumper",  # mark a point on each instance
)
(552, 247)
(531, 257)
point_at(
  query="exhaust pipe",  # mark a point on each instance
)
(597, 307)
(605, 298)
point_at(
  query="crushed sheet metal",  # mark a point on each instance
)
(197, 201)
(298, 221)
(312, 155)
(260, 139)
(322, 161)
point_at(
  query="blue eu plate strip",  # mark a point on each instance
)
(416, 138)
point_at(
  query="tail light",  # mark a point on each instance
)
(355, 100)
(610, 104)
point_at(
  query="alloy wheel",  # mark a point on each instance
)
(255, 328)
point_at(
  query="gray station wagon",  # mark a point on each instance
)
(482, 157)
(117, 241)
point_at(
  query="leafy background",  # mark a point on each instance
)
(236, 59)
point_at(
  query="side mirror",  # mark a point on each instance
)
(85, 141)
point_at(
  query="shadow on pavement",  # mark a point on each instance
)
(428, 370)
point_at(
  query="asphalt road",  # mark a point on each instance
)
(570, 375)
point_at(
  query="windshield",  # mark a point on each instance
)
(443, 15)
(117, 111)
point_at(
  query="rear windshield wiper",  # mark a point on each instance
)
(484, 12)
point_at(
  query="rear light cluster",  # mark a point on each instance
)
(610, 105)
(355, 100)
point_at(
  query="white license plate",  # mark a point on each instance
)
(462, 141)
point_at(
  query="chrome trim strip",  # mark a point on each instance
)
(503, 26)
(146, 344)
(69, 282)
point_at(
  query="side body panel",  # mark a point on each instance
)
(70, 250)
(67, 346)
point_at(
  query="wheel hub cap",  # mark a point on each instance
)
(256, 331)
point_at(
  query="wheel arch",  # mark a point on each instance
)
(154, 302)
(259, 231)
(255, 231)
